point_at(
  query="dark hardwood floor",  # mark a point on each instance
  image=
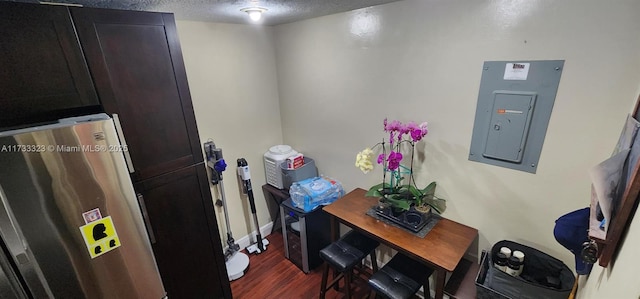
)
(271, 275)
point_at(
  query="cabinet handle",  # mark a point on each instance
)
(145, 216)
(127, 156)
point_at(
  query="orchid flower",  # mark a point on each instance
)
(394, 160)
(392, 188)
(363, 160)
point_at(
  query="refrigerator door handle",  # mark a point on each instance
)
(19, 251)
(18, 247)
(145, 215)
(127, 156)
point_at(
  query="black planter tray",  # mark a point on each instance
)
(430, 220)
(410, 219)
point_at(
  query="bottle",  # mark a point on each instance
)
(506, 251)
(514, 266)
(501, 262)
(519, 255)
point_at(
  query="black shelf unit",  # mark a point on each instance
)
(304, 234)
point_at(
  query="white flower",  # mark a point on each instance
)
(363, 160)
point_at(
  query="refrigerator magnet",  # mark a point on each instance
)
(91, 216)
(100, 236)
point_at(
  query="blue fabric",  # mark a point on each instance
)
(572, 231)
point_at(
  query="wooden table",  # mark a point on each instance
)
(441, 249)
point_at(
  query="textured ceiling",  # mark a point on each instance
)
(228, 11)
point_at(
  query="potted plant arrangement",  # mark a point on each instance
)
(398, 190)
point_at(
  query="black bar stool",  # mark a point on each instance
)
(343, 255)
(401, 278)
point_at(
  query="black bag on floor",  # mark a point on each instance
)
(543, 276)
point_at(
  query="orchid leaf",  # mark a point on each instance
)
(397, 201)
(430, 189)
(415, 192)
(437, 204)
(375, 190)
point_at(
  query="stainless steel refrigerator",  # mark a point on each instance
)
(70, 223)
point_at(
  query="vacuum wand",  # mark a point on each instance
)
(216, 163)
(245, 175)
(236, 262)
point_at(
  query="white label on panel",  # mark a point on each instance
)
(516, 71)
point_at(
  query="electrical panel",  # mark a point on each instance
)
(513, 111)
(509, 126)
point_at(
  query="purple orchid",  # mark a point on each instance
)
(394, 160)
(393, 126)
(402, 137)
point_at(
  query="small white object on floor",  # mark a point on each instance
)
(236, 265)
(254, 247)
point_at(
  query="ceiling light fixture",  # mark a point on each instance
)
(255, 13)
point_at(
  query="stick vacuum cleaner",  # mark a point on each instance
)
(236, 261)
(245, 176)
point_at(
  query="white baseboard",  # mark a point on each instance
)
(246, 241)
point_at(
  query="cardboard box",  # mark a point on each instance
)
(295, 161)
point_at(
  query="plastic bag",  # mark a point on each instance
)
(313, 192)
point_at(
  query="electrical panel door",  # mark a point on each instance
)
(510, 120)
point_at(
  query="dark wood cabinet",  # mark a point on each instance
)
(136, 62)
(43, 75)
(132, 62)
(185, 233)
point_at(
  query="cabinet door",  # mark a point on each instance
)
(43, 75)
(136, 62)
(184, 234)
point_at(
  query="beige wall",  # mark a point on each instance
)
(232, 77)
(339, 76)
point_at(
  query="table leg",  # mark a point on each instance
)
(335, 229)
(277, 198)
(441, 275)
(275, 221)
(335, 235)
